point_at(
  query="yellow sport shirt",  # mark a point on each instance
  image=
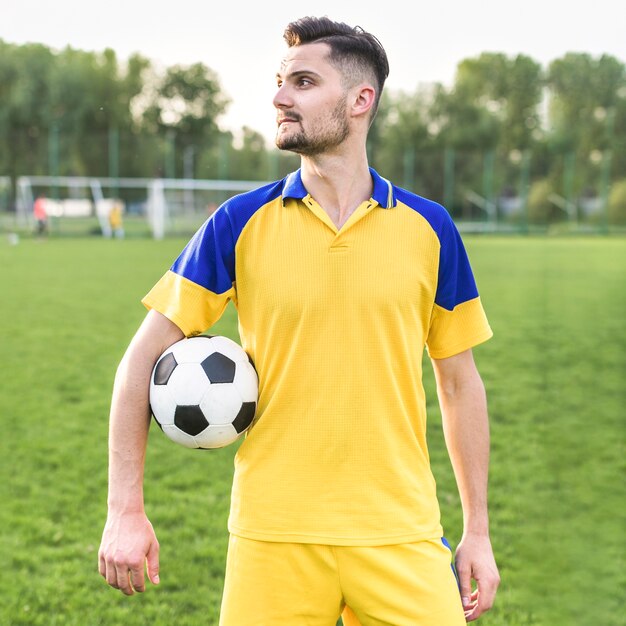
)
(336, 321)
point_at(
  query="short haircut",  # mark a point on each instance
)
(353, 51)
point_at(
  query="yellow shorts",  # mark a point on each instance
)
(287, 584)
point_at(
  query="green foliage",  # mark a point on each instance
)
(464, 123)
(58, 111)
(509, 89)
(553, 373)
(188, 100)
(586, 92)
(253, 156)
(493, 111)
(401, 141)
(76, 112)
(24, 115)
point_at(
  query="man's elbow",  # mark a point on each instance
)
(457, 376)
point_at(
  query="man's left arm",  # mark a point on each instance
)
(463, 405)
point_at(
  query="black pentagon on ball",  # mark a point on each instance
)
(245, 416)
(219, 368)
(164, 369)
(190, 419)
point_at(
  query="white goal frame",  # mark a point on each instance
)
(165, 197)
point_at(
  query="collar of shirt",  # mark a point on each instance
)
(383, 190)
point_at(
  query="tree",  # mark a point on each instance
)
(90, 96)
(183, 109)
(493, 103)
(403, 142)
(24, 107)
(587, 106)
(250, 161)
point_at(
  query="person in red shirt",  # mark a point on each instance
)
(41, 215)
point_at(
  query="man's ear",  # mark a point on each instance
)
(363, 100)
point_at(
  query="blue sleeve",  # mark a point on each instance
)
(209, 258)
(456, 282)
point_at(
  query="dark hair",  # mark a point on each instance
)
(351, 48)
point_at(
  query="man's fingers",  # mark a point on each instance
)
(102, 565)
(482, 599)
(127, 576)
(137, 579)
(123, 583)
(487, 588)
(122, 575)
(471, 613)
(110, 575)
(465, 584)
(153, 563)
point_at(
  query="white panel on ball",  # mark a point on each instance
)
(220, 404)
(188, 383)
(230, 348)
(217, 436)
(246, 382)
(162, 402)
(193, 350)
(178, 436)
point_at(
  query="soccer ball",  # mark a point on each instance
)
(203, 392)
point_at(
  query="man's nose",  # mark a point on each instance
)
(282, 98)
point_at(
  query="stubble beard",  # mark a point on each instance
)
(330, 135)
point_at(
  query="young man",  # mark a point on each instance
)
(340, 280)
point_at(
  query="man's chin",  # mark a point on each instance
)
(289, 144)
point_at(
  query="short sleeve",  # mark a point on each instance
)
(458, 321)
(194, 292)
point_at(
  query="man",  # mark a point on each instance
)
(40, 214)
(340, 280)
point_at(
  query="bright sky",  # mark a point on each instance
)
(242, 41)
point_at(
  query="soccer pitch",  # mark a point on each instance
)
(554, 373)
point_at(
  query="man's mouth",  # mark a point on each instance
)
(285, 120)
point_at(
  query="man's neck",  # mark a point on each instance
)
(338, 184)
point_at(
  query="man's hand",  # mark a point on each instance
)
(128, 543)
(474, 560)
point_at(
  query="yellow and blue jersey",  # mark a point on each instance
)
(336, 322)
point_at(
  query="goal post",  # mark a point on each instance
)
(180, 206)
(158, 207)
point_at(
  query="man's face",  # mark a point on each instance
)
(310, 102)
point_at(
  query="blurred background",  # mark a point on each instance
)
(527, 137)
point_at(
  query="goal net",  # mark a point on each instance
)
(123, 206)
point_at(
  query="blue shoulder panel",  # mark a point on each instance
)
(456, 282)
(209, 257)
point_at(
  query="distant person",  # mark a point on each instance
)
(115, 219)
(341, 279)
(40, 214)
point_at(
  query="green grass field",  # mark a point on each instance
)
(554, 372)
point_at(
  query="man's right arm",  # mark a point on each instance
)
(128, 540)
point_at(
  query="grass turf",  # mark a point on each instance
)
(554, 374)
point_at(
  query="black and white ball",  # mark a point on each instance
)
(204, 391)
